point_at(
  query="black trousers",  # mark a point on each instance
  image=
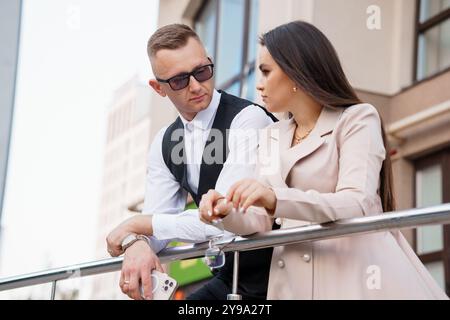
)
(218, 289)
(214, 289)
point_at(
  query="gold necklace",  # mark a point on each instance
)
(298, 139)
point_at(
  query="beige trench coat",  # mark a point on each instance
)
(333, 174)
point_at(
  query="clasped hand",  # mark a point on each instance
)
(241, 196)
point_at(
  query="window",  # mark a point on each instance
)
(232, 43)
(433, 242)
(433, 37)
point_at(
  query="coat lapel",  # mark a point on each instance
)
(289, 156)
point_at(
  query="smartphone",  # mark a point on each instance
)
(163, 286)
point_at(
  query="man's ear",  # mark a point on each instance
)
(157, 87)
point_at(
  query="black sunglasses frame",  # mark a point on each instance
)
(188, 76)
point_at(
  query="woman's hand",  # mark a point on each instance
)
(213, 206)
(249, 192)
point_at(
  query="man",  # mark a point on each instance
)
(184, 74)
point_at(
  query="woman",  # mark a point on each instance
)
(329, 161)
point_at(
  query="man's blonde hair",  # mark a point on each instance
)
(172, 36)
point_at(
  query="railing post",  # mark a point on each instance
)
(52, 297)
(234, 294)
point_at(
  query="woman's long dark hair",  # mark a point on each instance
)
(305, 54)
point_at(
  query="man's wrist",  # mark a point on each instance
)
(133, 238)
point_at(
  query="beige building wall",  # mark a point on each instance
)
(386, 54)
(378, 60)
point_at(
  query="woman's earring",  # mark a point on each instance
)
(295, 89)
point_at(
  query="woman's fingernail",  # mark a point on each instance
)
(209, 213)
(216, 211)
(241, 210)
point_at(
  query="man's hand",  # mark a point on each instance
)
(140, 224)
(115, 238)
(213, 206)
(138, 263)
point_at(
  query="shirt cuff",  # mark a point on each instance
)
(156, 244)
(164, 226)
(184, 227)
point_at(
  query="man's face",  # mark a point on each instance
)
(169, 63)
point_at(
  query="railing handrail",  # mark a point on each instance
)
(439, 214)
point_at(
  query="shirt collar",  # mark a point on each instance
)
(204, 117)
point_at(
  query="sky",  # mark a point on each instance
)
(73, 55)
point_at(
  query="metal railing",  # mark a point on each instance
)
(387, 221)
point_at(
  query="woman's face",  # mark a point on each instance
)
(276, 88)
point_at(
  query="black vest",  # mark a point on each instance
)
(254, 265)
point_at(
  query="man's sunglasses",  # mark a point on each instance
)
(181, 81)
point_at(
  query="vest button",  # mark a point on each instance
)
(306, 258)
(278, 221)
(281, 264)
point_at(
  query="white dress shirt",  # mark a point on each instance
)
(165, 199)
